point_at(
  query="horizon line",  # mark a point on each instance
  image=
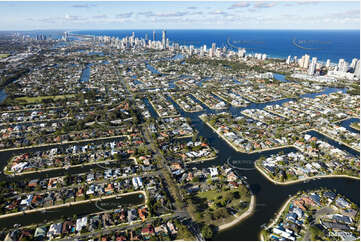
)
(65, 29)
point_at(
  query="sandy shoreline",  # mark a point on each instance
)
(280, 212)
(240, 217)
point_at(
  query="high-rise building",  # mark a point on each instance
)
(306, 61)
(357, 69)
(345, 67)
(342, 65)
(353, 63)
(241, 52)
(163, 39)
(341, 62)
(288, 61)
(153, 35)
(301, 61)
(65, 36)
(212, 51)
(312, 68)
(191, 49)
(328, 63)
(146, 37)
(205, 48)
(201, 52)
(218, 53)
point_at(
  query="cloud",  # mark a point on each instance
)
(69, 17)
(307, 3)
(239, 5)
(166, 15)
(196, 13)
(192, 8)
(289, 4)
(103, 16)
(125, 15)
(218, 12)
(264, 4)
(146, 13)
(174, 14)
(349, 13)
(47, 20)
(82, 5)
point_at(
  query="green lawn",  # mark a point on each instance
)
(218, 197)
(214, 194)
(4, 55)
(355, 125)
(41, 98)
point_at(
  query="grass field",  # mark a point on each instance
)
(213, 195)
(41, 98)
(218, 196)
(355, 125)
(4, 55)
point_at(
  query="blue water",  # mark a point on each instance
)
(152, 69)
(346, 123)
(2, 95)
(323, 44)
(85, 75)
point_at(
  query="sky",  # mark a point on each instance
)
(179, 15)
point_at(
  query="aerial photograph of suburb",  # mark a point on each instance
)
(180, 120)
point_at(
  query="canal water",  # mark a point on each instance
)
(346, 124)
(152, 69)
(85, 75)
(3, 96)
(6, 155)
(69, 212)
(269, 197)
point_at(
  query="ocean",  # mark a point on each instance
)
(323, 44)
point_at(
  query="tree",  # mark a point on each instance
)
(316, 233)
(228, 197)
(236, 195)
(207, 232)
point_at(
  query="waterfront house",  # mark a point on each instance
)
(40, 233)
(68, 227)
(148, 231)
(342, 203)
(54, 230)
(161, 230)
(81, 223)
(171, 227)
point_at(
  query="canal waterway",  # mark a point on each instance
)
(69, 212)
(269, 196)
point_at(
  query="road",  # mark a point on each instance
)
(181, 211)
